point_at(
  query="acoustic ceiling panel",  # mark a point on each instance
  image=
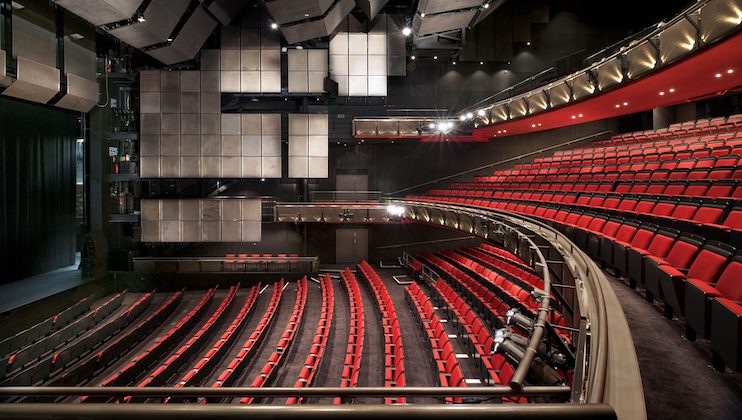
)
(82, 94)
(191, 37)
(161, 18)
(101, 12)
(320, 27)
(35, 82)
(445, 22)
(226, 10)
(284, 11)
(371, 7)
(430, 7)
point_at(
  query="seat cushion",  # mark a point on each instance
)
(731, 305)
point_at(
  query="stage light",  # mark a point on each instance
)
(406, 31)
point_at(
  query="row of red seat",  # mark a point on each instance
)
(85, 370)
(495, 366)
(356, 334)
(134, 368)
(239, 257)
(169, 367)
(483, 299)
(319, 343)
(713, 220)
(234, 369)
(216, 351)
(449, 371)
(515, 272)
(271, 367)
(689, 128)
(394, 373)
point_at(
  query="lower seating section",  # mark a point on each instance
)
(319, 344)
(394, 373)
(234, 369)
(160, 375)
(661, 208)
(139, 363)
(442, 353)
(217, 350)
(43, 328)
(356, 333)
(275, 360)
(34, 362)
(494, 366)
(82, 372)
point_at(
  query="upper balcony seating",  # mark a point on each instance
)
(319, 343)
(655, 205)
(276, 359)
(356, 333)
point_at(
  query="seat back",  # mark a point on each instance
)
(730, 280)
(709, 263)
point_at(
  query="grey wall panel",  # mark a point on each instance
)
(211, 103)
(609, 73)
(284, 11)
(445, 22)
(149, 123)
(190, 103)
(149, 145)
(149, 81)
(190, 167)
(640, 59)
(559, 94)
(718, 18)
(149, 102)
(82, 94)
(581, 86)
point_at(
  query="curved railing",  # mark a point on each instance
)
(700, 25)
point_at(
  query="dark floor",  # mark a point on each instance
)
(679, 382)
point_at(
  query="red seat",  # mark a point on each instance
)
(699, 294)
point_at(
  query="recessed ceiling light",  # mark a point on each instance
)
(435, 57)
(469, 115)
(462, 118)
(579, 115)
(406, 31)
(539, 124)
(486, 5)
(574, 116)
(481, 62)
(528, 43)
(504, 131)
(306, 14)
(431, 125)
(169, 39)
(662, 93)
(412, 57)
(717, 75)
(454, 63)
(672, 90)
(76, 36)
(618, 106)
(533, 125)
(730, 71)
(625, 104)
(422, 14)
(274, 25)
(141, 19)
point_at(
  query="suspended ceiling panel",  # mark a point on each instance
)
(189, 40)
(82, 94)
(371, 7)
(34, 82)
(284, 11)
(443, 22)
(101, 12)
(226, 10)
(161, 18)
(320, 27)
(430, 7)
(34, 42)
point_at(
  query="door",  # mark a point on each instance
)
(351, 246)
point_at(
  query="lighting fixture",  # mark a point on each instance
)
(718, 75)
(533, 125)
(406, 31)
(454, 63)
(662, 93)
(486, 5)
(442, 126)
(618, 106)
(435, 57)
(574, 116)
(141, 19)
(469, 115)
(539, 124)
(625, 104)
(480, 113)
(422, 14)
(504, 131)
(528, 43)
(395, 210)
(432, 125)
(579, 115)
(169, 39)
(462, 118)
(481, 62)
(76, 36)
(306, 14)
(730, 71)
(274, 26)
(672, 90)
(412, 57)
(449, 124)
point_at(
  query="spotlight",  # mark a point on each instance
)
(442, 126)
(462, 118)
(730, 71)
(579, 115)
(454, 63)
(469, 115)
(486, 5)
(395, 210)
(504, 131)
(481, 63)
(672, 90)
(662, 93)
(717, 75)
(412, 57)
(432, 125)
(274, 26)
(449, 125)
(574, 116)
(625, 104)
(533, 125)
(435, 57)
(169, 39)
(406, 31)
(618, 106)
(481, 113)
(528, 43)
(422, 14)
(141, 19)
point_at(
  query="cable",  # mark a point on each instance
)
(108, 96)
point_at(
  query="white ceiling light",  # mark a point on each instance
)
(481, 113)
(274, 26)
(462, 118)
(469, 115)
(406, 31)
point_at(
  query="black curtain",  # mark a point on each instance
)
(37, 189)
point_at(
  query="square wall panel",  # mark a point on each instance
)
(270, 81)
(251, 146)
(210, 81)
(231, 167)
(211, 103)
(297, 60)
(358, 86)
(270, 124)
(231, 145)
(317, 167)
(149, 145)
(231, 124)
(231, 210)
(298, 167)
(190, 103)
(250, 81)
(211, 145)
(251, 167)
(271, 146)
(151, 231)
(230, 81)
(317, 60)
(170, 167)
(250, 60)
(149, 102)
(190, 167)
(251, 231)
(251, 124)
(190, 81)
(231, 231)
(211, 167)
(271, 167)
(149, 167)
(150, 210)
